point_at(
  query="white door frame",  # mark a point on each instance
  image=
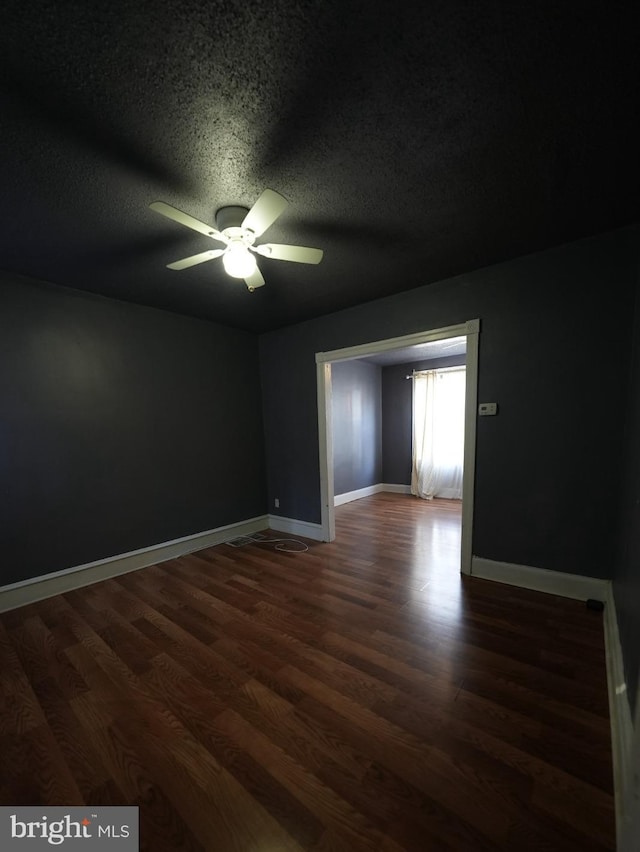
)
(470, 330)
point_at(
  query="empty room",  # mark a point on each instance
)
(319, 427)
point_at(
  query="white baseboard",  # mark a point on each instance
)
(575, 586)
(48, 585)
(348, 496)
(295, 527)
(396, 489)
(619, 712)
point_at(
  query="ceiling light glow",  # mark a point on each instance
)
(238, 261)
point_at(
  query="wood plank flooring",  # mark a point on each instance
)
(361, 695)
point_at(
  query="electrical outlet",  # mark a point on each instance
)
(276, 502)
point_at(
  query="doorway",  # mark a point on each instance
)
(470, 330)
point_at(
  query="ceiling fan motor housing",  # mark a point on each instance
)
(230, 217)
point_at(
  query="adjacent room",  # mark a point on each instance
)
(397, 424)
(319, 418)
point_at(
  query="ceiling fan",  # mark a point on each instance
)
(238, 228)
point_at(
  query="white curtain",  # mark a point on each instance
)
(438, 433)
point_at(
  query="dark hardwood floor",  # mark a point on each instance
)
(361, 695)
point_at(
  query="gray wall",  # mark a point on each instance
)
(397, 416)
(626, 577)
(548, 464)
(120, 427)
(357, 425)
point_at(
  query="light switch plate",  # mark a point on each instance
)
(487, 409)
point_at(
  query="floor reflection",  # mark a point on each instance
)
(416, 541)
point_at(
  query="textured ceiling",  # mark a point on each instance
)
(420, 352)
(413, 144)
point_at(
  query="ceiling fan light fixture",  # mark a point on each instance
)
(238, 229)
(238, 261)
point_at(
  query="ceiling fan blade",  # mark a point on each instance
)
(265, 212)
(255, 279)
(184, 219)
(186, 262)
(299, 254)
